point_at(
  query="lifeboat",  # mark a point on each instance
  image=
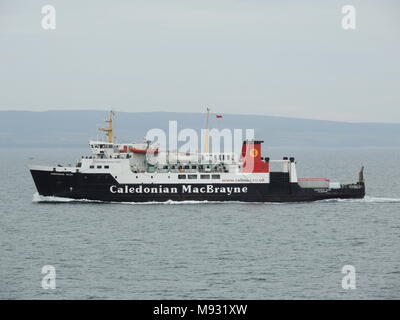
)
(143, 151)
(124, 149)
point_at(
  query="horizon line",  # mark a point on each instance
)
(198, 113)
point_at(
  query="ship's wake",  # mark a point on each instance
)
(50, 199)
(366, 199)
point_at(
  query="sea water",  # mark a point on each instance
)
(203, 250)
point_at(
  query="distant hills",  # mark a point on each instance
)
(74, 128)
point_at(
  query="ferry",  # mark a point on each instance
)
(141, 172)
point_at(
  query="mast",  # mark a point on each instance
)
(109, 130)
(206, 132)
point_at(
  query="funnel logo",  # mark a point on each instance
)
(253, 153)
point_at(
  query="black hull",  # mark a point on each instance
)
(97, 187)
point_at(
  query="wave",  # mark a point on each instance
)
(50, 199)
(366, 199)
(39, 198)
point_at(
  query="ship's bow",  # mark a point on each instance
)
(52, 182)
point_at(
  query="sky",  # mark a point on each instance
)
(277, 57)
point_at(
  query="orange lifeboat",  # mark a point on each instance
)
(143, 151)
(124, 149)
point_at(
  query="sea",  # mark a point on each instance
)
(203, 250)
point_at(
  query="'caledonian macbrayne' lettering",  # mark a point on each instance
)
(184, 189)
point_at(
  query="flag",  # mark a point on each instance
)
(218, 116)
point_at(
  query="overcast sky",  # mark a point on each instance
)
(276, 57)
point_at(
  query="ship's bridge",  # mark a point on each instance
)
(102, 149)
